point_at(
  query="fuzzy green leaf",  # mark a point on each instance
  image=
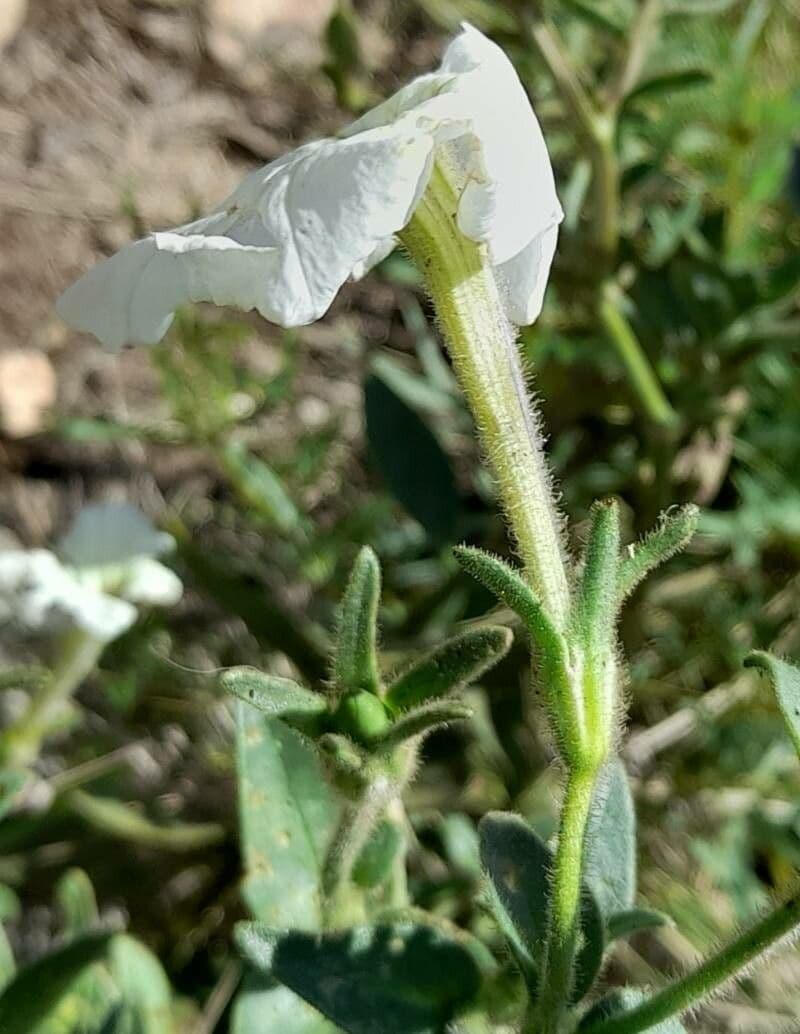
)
(275, 696)
(509, 587)
(287, 814)
(390, 978)
(518, 865)
(623, 924)
(449, 668)
(421, 721)
(356, 657)
(37, 989)
(610, 862)
(673, 533)
(785, 680)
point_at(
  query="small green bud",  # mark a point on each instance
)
(356, 659)
(362, 716)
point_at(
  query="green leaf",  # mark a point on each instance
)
(263, 1006)
(669, 83)
(260, 489)
(287, 814)
(785, 680)
(672, 534)
(392, 978)
(37, 989)
(75, 896)
(275, 696)
(374, 864)
(594, 17)
(143, 984)
(508, 586)
(621, 1000)
(421, 721)
(623, 924)
(518, 864)
(355, 666)
(610, 862)
(409, 457)
(120, 820)
(449, 668)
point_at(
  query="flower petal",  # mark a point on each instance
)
(111, 533)
(523, 278)
(150, 583)
(41, 595)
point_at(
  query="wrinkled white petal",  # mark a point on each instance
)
(151, 584)
(381, 251)
(40, 594)
(112, 533)
(523, 278)
(283, 243)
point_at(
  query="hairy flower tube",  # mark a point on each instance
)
(102, 568)
(295, 230)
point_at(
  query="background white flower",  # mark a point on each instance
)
(294, 231)
(104, 565)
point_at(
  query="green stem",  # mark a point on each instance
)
(78, 655)
(640, 372)
(483, 348)
(704, 981)
(565, 905)
(340, 906)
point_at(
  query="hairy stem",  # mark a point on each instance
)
(482, 345)
(707, 978)
(565, 905)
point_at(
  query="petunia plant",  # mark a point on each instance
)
(454, 169)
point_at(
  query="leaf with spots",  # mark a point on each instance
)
(387, 978)
(287, 814)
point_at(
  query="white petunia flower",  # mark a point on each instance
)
(294, 231)
(103, 566)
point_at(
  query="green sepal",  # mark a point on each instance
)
(355, 666)
(510, 588)
(421, 721)
(343, 756)
(398, 977)
(597, 594)
(673, 533)
(275, 696)
(785, 680)
(623, 924)
(449, 668)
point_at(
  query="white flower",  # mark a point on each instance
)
(103, 566)
(294, 231)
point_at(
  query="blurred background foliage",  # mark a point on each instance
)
(273, 456)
